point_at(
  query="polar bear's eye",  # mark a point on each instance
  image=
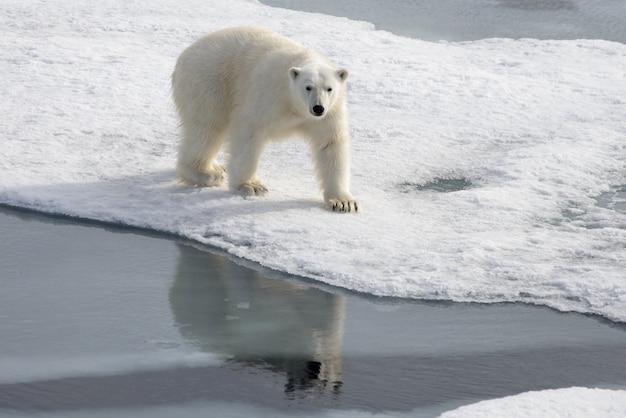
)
(329, 89)
(308, 88)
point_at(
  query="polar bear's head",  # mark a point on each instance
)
(318, 88)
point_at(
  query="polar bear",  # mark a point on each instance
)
(247, 86)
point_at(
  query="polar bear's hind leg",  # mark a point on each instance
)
(196, 157)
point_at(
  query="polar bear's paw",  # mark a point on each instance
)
(252, 189)
(338, 205)
(208, 178)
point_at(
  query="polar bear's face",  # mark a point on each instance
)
(317, 88)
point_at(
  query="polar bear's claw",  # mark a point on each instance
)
(343, 205)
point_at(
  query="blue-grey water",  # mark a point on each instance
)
(101, 320)
(466, 20)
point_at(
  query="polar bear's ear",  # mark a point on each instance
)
(294, 72)
(342, 74)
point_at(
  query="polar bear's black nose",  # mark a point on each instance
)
(318, 110)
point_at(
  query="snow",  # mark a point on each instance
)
(525, 137)
(532, 130)
(571, 402)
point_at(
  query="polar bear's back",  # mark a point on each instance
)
(242, 45)
(235, 52)
(249, 39)
(227, 63)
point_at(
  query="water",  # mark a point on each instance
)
(462, 20)
(100, 320)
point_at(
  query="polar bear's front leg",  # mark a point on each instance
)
(332, 162)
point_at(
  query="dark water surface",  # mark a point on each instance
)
(101, 320)
(468, 20)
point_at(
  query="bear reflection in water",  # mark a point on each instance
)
(227, 309)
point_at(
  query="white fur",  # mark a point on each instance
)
(247, 86)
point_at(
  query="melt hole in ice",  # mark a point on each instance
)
(615, 199)
(441, 185)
